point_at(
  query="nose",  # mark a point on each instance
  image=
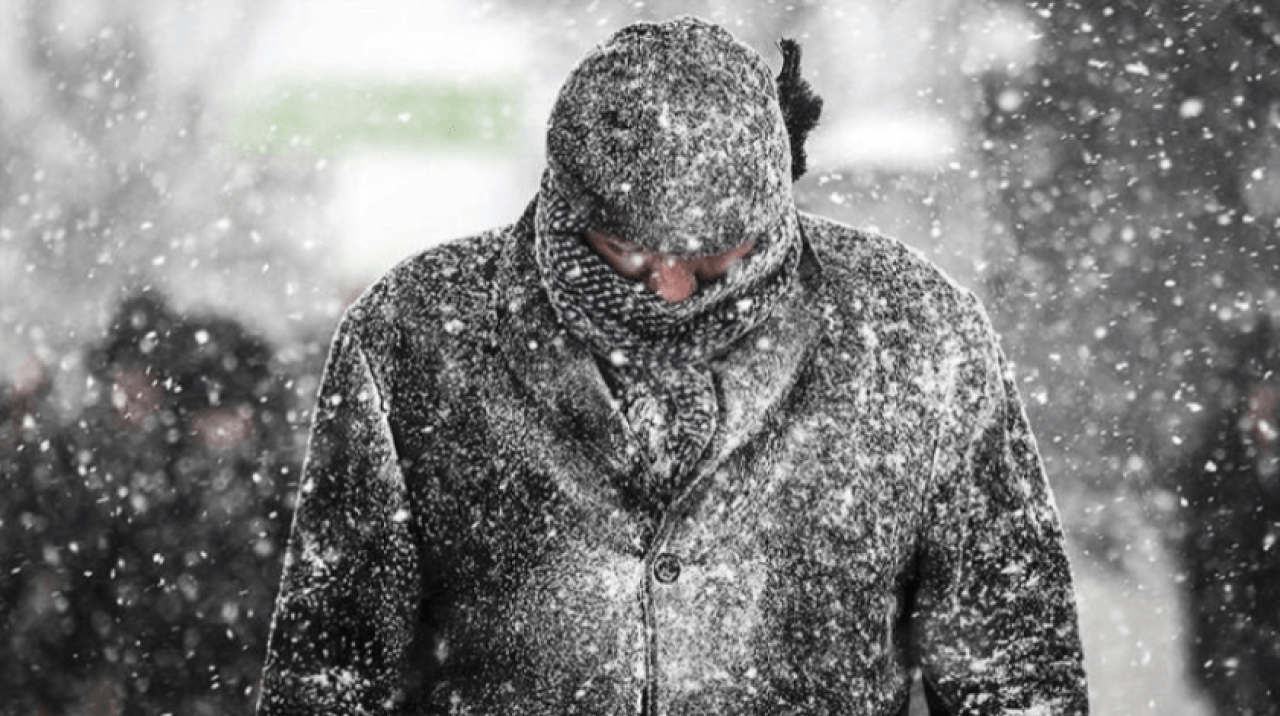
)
(672, 279)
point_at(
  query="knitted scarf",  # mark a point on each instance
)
(655, 354)
(671, 135)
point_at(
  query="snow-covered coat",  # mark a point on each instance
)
(872, 502)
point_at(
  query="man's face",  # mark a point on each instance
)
(673, 277)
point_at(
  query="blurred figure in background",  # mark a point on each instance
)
(144, 535)
(32, 619)
(1230, 488)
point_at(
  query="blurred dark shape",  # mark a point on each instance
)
(1133, 231)
(1229, 528)
(139, 542)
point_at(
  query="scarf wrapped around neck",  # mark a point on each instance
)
(672, 136)
(654, 353)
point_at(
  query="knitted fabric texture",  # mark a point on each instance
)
(654, 352)
(669, 136)
(675, 134)
(629, 325)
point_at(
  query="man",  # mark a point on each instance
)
(667, 446)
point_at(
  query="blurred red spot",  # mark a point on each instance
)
(29, 376)
(1263, 404)
(106, 699)
(223, 429)
(135, 396)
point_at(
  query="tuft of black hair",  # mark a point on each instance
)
(801, 106)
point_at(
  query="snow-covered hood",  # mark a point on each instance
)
(674, 134)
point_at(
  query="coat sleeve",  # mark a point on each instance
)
(345, 615)
(994, 619)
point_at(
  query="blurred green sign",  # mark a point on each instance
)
(332, 117)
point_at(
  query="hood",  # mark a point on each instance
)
(672, 133)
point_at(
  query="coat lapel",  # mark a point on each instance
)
(556, 370)
(559, 374)
(759, 372)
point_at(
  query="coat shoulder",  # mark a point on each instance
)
(880, 284)
(442, 291)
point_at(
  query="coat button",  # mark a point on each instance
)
(666, 568)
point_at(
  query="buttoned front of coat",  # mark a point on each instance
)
(468, 540)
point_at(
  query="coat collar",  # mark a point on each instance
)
(559, 373)
(757, 374)
(556, 370)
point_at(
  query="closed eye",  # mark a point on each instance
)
(620, 245)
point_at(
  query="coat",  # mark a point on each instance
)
(872, 503)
